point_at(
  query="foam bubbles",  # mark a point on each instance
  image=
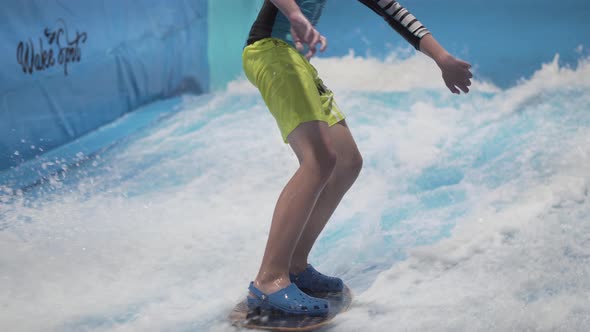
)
(470, 213)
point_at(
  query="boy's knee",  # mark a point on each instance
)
(356, 163)
(323, 162)
(352, 164)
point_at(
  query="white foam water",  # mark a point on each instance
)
(470, 213)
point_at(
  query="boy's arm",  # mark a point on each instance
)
(455, 72)
(289, 8)
(302, 30)
(400, 19)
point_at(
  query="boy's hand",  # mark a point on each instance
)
(455, 73)
(305, 34)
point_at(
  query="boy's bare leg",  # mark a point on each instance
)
(312, 144)
(348, 166)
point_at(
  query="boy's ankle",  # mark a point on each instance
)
(297, 268)
(271, 282)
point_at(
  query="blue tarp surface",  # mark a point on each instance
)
(68, 67)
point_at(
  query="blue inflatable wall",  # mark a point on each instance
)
(69, 67)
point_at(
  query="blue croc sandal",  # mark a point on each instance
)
(289, 300)
(310, 280)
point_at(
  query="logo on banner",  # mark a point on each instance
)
(55, 47)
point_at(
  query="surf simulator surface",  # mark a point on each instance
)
(139, 176)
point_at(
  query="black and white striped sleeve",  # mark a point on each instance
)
(399, 19)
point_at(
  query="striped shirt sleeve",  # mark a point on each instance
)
(399, 19)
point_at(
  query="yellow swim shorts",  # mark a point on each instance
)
(289, 85)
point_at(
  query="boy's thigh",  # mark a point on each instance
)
(311, 139)
(343, 143)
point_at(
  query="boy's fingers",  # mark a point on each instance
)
(299, 46)
(313, 44)
(311, 53)
(324, 43)
(452, 88)
(315, 40)
(463, 63)
(297, 40)
(310, 34)
(463, 88)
